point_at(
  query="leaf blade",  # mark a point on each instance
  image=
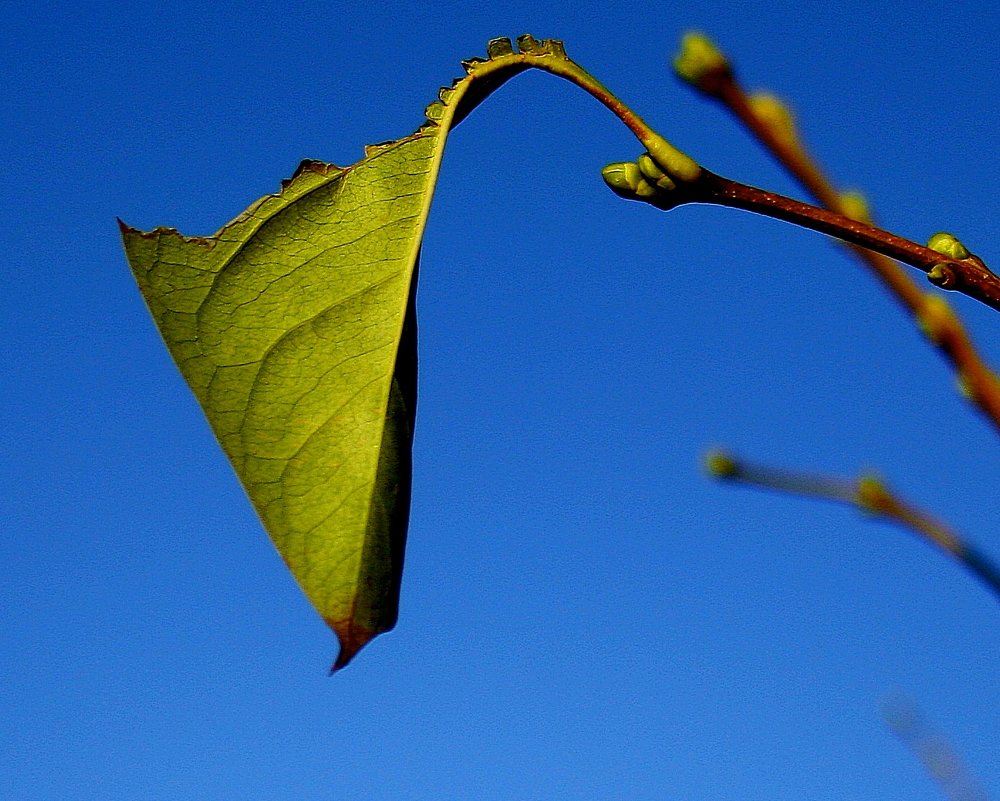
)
(295, 327)
(287, 325)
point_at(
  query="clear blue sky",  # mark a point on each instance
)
(584, 614)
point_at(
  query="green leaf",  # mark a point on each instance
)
(295, 327)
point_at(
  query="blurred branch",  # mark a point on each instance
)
(934, 751)
(702, 65)
(869, 494)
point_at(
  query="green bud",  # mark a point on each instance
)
(698, 56)
(649, 169)
(623, 177)
(775, 114)
(652, 173)
(645, 189)
(721, 465)
(665, 184)
(855, 206)
(679, 166)
(935, 317)
(626, 180)
(942, 275)
(872, 494)
(947, 245)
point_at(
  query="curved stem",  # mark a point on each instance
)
(550, 56)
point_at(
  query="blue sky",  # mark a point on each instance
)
(584, 614)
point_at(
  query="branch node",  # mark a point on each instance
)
(869, 494)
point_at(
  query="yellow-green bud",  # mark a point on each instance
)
(855, 205)
(648, 168)
(947, 245)
(697, 56)
(676, 164)
(721, 464)
(652, 173)
(935, 317)
(645, 189)
(630, 180)
(942, 275)
(622, 177)
(872, 494)
(775, 114)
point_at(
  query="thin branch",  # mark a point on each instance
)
(702, 65)
(869, 494)
(969, 278)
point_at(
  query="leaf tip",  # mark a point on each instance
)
(352, 638)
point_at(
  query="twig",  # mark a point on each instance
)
(869, 494)
(645, 182)
(701, 64)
